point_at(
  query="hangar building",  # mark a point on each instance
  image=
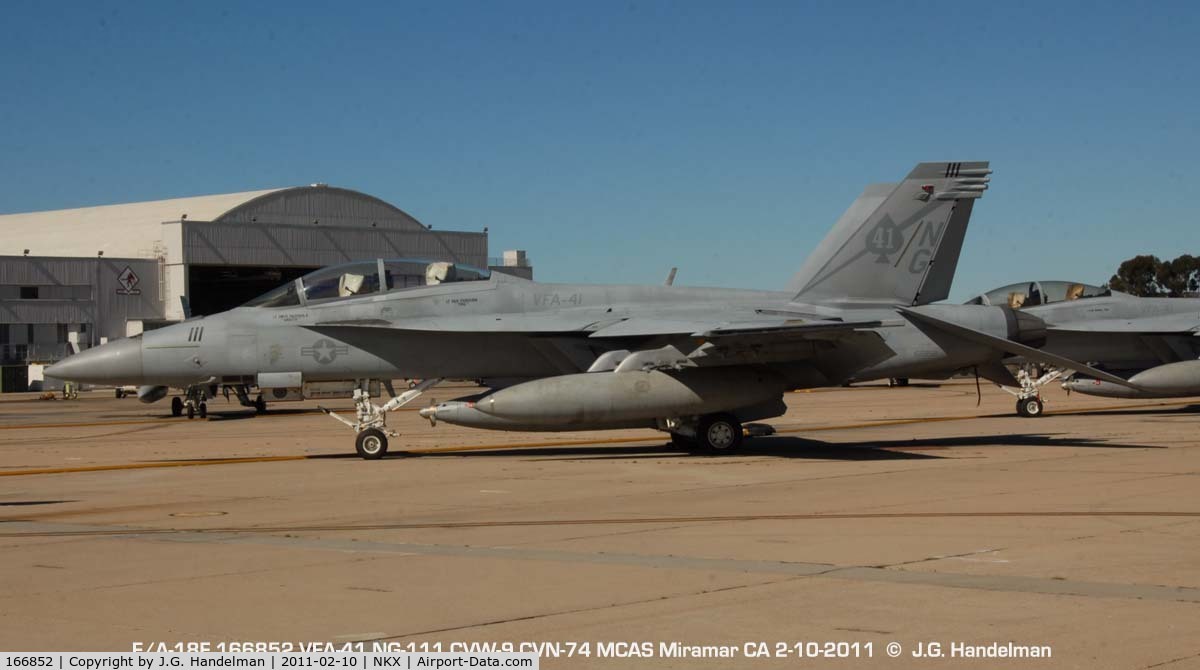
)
(92, 274)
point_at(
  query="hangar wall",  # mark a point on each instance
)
(46, 303)
(217, 251)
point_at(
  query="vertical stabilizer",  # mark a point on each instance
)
(905, 248)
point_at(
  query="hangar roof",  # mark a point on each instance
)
(132, 229)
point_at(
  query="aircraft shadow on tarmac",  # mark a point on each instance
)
(235, 414)
(778, 446)
(238, 414)
(785, 446)
(1132, 411)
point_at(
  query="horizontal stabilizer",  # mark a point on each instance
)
(1015, 348)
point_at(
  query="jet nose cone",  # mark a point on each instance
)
(118, 362)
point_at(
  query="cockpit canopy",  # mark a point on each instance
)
(364, 278)
(1034, 293)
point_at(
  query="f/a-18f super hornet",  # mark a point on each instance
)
(695, 362)
(1153, 343)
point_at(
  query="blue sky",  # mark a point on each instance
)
(614, 140)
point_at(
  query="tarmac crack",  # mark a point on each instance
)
(1173, 661)
(940, 557)
(581, 610)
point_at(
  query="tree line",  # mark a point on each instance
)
(1148, 276)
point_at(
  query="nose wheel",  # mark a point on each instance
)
(371, 444)
(1030, 407)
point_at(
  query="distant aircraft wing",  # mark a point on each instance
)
(1016, 348)
(1168, 324)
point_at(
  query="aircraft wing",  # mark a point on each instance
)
(753, 343)
(760, 338)
(485, 323)
(762, 329)
(742, 343)
(787, 330)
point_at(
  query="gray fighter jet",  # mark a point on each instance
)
(694, 362)
(1154, 343)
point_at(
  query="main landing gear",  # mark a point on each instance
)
(371, 419)
(712, 433)
(191, 404)
(1029, 398)
(243, 396)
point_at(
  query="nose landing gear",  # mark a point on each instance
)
(371, 443)
(1029, 398)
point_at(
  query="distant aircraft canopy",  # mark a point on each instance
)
(1034, 293)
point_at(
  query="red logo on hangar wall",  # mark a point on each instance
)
(129, 281)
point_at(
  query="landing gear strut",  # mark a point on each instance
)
(1029, 398)
(192, 404)
(243, 396)
(371, 419)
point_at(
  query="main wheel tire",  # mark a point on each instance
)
(191, 411)
(719, 433)
(371, 444)
(1030, 407)
(120, 394)
(203, 410)
(176, 406)
(260, 405)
